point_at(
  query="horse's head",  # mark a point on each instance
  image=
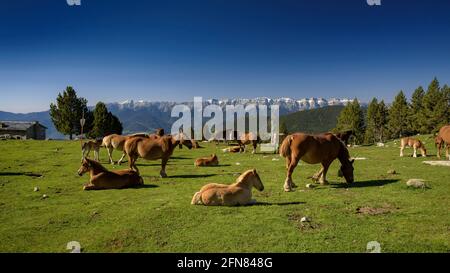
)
(195, 144)
(251, 178)
(181, 139)
(346, 170)
(85, 167)
(159, 132)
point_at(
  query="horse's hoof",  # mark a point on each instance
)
(287, 189)
(324, 183)
(163, 175)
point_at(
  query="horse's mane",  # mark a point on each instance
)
(96, 165)
(343, 151)
(243, 176)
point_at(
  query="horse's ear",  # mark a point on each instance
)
(254, 171)
(351, 161)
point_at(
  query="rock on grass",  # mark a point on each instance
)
(416, 183)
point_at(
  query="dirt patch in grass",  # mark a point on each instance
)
(303, 226)
(384, 209)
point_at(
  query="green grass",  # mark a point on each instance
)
(159, 217)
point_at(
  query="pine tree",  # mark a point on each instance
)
(435, 108)
(381, 122)
(105, 122)
(446, 96)
(283, 128)
(116, 125)
(352, 118)
(415, 110)
(68, 111)
(371, 123)
(398, 117)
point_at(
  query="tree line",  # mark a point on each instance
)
(425, 113)
(69, 109)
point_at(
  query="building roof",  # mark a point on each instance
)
(18, 125)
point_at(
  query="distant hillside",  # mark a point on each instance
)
(312, 121)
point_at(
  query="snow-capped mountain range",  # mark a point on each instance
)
(287, 105)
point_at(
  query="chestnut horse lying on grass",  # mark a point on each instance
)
(154, 149)
(239, 193)
(442, 138)
(101, 178)
(415, 144)
(314, 149)
(207, 161)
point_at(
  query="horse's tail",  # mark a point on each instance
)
(285, 149)
(197, 199)
(105, 141)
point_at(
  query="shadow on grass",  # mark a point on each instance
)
(146, 186)
(191, 175)
(277, 204)
(179, 157)
(216, 166)
(20, 173)
(367, 183)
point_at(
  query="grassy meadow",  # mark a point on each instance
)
(159, 218)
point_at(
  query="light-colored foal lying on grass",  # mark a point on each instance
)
(101, 178)
(239, 193)
(207, 161)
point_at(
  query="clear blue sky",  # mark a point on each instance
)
(173, 50)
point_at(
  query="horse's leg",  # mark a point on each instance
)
(415, 151)
(439, 150)
(89, 187)
(288, 183)
(317, 175)
(97, 155)
(110, 150)
(323, 177)
(162, 173)
(254, 147)
(120, 160)
(446, 152)
(401, 150)
(132, 163)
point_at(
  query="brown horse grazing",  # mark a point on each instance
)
(101, 178)
(444, 136)
(248, 138)
(239, 193)
(314, 149)
(344, 136)
(207, 161)
(415, 144)
(153, 149)
(117, 142)
(91, 145)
